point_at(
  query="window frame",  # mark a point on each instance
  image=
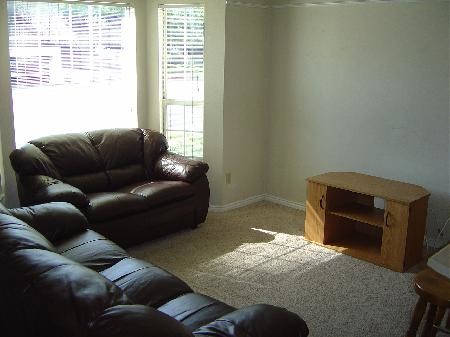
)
(164, 102)
(128, 6)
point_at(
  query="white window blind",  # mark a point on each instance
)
(73, 67)
(182, 77)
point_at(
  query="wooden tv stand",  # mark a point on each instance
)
(340, 214)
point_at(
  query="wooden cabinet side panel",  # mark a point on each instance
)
(315, 213)
(394, 235)
(416, 232)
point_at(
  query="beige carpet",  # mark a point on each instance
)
(257, 254)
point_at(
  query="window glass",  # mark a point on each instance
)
(73, 67)
(181, 30)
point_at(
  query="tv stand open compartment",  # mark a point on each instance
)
(341, 214)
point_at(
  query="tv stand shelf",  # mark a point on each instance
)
(341, 215)
(363, 213)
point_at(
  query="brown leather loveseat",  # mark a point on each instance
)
(124, 180)
(61, 279)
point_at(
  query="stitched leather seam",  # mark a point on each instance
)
(124, 275)
(81, 244)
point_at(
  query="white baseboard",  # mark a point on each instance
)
(257, 198)
(236, 204)
(280, 201)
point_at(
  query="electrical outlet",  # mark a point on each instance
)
(228, 178)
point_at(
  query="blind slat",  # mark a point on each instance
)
(73, 63)
(182, 66)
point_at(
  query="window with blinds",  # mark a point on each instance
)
(181, 30)
(73, 67)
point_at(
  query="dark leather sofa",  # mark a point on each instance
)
(61, 279)
(124, 180)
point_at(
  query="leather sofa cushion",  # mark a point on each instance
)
(126, 175)
(29, 160)
(89, 182)
(136, 321)
(256, 320)
(72, 154)
(195, 310)
(104, 206)
(160, 192)
(118, 147)
(58, 297)
(16, 234)
(145, 283)
(56, 220)
(92, 250)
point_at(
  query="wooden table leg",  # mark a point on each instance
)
(429, 322)
(437, 321)
(417, 317)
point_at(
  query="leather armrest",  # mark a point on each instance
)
(136, 321)
(46, 189)
(171, 166)
(260, 320)
(56, 220)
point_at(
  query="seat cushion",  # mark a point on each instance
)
(145, 283)
(92, 250)
(160, 192)
(195, 310)
(104, 206)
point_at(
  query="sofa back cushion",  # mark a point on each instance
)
(72, 154)
(96, 161)
(121, 152)
(76, 160)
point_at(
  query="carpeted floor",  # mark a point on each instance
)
(257, 254)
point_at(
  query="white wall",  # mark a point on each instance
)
(214, 89)
(246, 101)
(6, 117)
(361, 87)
